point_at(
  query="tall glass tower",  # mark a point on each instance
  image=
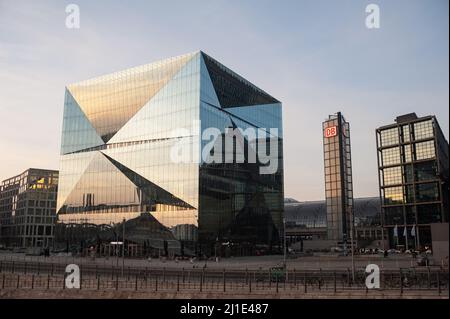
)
(123, 132)
(338, 177)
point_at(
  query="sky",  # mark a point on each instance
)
(317, 57)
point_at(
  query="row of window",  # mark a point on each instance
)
(403, 174)
(425, 192)
(407, 153)
(406, 133)
(421, 214)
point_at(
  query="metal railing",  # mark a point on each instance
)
(37, 275)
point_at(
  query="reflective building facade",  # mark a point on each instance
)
(413, 176)
(122, 131)
(338, 177)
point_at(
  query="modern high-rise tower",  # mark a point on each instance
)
(338, 178)
(414, 179)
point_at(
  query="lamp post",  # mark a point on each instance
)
(285, 247)
(123, 245)
(352, 239)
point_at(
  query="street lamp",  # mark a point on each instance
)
(123, 245)
(285, 248)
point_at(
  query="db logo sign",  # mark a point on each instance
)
(330, 131)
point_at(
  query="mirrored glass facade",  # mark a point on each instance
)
(413, 177)
(338, 177)
(118, 139)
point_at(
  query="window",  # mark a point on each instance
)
(425, 171)
(393, 195)
(393, 215)
(427, 192)
(392, 175)
(405, 133)
(391, 156)
(424, 150)
(389, 137)
(430, 213)
(423, 130)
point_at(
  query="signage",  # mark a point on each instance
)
(330, 131)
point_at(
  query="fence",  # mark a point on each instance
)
(26, 275)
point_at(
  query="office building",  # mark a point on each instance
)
(413, 179)
(28, 209)
(122, 139)
(338, 178)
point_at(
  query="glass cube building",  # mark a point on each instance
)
(413, 176)
(338, 178)
(117, 154)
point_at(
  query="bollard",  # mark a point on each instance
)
(3, 281)
(53, 268)
(136, 283)
(25, 268)
(32, 281)
(201, 282)
(439, 281)
(429, 277)
(48, 281)
(250, 285)
(305, 283)
(13, 267)
(18, 281)
(182, 274)
(178, 282)
(117, 281)
(156, 282)
(224, 283)
(401, 282)
(277, 282)
(320, 278)
(295, 279)
(164, 274)
(246, 276)
(348, 277)
(98, 282)
(334, 275)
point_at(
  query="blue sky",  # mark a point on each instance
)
(317, 57)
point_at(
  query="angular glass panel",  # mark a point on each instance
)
(77, 132)
(110, 101)
(233, 90)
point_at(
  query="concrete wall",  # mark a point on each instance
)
(439, 236)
